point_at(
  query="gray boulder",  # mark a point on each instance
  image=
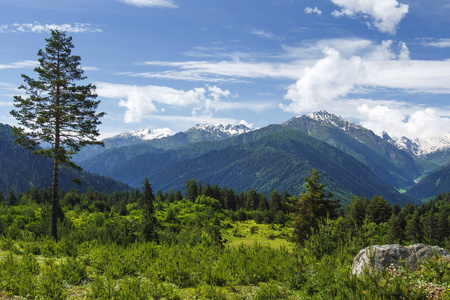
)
(378, 258)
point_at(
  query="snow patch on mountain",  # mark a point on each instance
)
(147, 134)
(332, 119)
(227, 130)
(418, 146)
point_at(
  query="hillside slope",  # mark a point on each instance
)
(389, 163)
(20, 170)
(433, 184)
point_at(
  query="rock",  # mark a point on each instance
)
(378, 258)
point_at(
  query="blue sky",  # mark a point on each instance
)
(384, 64)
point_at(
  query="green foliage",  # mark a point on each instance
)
(149, 221)
(311, 208)
(102, 253)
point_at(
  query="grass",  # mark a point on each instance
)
(249, 233)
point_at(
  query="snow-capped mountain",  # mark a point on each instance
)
(164, 138)
(388, 162)
(217, 132)
(418, 146)
(147, 134)
(415, 147)
(325, 117)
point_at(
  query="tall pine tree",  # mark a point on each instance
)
(57, 110)
(148, 210)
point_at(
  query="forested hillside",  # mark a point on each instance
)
(21, 170)
(390, 164)
(433, 184)
(265, 159)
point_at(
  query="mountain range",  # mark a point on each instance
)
(352, 159)
(217, 154)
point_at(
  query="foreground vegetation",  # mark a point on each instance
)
(209, 246)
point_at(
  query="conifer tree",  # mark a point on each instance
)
(12, 199)
(148, 210)
(191, 190)
(413, 229)
(395, 231)
(275, 201)
(378, 210)
(57, 110)
(311, 208)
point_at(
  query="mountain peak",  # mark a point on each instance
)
(222, 130)
(420, 146)
(335, 120)
(147, 134)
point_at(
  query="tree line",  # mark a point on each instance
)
(306, 213)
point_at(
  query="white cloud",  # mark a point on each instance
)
(6, 103)
(404, 52)
(422, 123)
(20, 64)
(440, 43)
(314, 49)
(310, 10)
(384, 15)
(151, 3)
(143, 101)
(329, 79)
(243, 122)
(39, 28)
(184, 122)
(262, 33)
(90, 68)
(381, 66)
(226, 70)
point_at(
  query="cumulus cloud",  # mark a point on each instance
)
(384, 15)
(142, 101)
(39, 28)
(151, 3)
(310, 10)
(336, 76)
(330, 78)
(424, 123)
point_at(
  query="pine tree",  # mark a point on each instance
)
(252, 199)
(11, 198)
(311, 208)
(178, 196)
(275, 201)
(191, 190)
(208, 191)
(394, 230)
(148, 210)
(413, 229)
(357, 210)
(379, 210)
(171, 196)
(57, 111)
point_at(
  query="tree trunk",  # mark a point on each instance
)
(55, 200)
